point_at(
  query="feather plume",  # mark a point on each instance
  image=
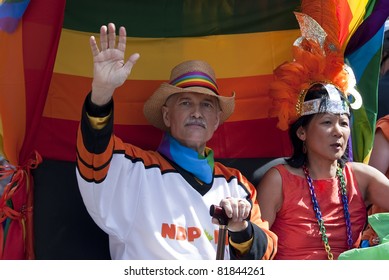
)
(317, 57)
(324, 12)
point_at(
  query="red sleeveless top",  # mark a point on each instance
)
(296, 225)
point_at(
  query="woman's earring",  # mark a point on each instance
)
(304, 148)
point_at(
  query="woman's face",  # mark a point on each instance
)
(326, 135)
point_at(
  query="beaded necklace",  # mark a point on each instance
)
(316, 208)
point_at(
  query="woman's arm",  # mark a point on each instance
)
(269, 195)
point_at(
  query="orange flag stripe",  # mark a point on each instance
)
(12, 93)
(67, 94)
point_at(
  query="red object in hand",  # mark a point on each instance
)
(219, 213)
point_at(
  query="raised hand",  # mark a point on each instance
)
(109, 68)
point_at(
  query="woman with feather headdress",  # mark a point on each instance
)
(316, 201)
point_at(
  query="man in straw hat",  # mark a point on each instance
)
(156, 204)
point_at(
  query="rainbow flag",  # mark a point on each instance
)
(46, 72)
(27, 56)
(243, 41)
(363, 51)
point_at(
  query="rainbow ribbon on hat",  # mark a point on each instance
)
(195, 79)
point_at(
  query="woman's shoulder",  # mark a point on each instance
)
(362, 172)
(282, 173)
(356, 166)
(287, 170)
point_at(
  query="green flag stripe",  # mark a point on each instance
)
(177, 18)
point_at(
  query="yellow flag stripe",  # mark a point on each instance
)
(239, 55)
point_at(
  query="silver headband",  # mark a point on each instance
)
(334, 104)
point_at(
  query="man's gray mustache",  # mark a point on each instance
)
(196, 122)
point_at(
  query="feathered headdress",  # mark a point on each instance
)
(317, 58)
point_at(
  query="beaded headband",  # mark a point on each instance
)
(334, 104)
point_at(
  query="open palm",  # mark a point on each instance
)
(110, 70)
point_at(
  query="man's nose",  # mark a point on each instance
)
(196, 111)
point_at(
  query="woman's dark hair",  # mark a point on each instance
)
(298, 158)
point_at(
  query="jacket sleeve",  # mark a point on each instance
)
(264, 241)
(94, 146)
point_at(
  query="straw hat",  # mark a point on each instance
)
(188, 76)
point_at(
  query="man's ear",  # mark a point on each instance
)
(301, 133)
(165, 115)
